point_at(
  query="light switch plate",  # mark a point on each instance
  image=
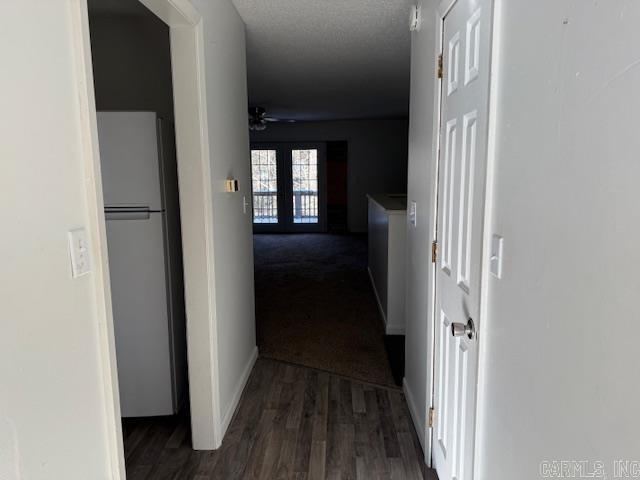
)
(79, 252)
(231, 185)
(497, 247)
(413, 207)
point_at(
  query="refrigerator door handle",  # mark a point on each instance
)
(129, 213)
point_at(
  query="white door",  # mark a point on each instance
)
(461, 189)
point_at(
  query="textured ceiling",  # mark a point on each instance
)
(328, 59)
(319, 59)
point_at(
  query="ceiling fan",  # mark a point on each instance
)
(258, 119)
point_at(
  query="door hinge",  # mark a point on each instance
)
(440, 67)
(432, 417)
(434, 252)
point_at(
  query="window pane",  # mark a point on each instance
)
(264, 181)
(304, 171)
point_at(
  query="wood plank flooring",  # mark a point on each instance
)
(292, 423)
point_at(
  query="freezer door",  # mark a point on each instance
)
(129, 159)
(140, 312)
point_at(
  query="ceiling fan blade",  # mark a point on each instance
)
(280, 120)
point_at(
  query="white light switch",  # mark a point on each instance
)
(245, 205)
(413, 213)
(79, 252)
(497, 245)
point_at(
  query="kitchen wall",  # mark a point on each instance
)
(377, 156)
(53, 410)
(132, 64)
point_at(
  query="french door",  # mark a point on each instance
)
(289, 187)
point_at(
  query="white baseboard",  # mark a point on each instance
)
(388, 329)
(375, 292)
(235, 400)
(418, 422)
(393, 330)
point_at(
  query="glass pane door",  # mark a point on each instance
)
(289, 187)
(264, 179)
(304, 176)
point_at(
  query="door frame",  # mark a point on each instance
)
(283, 155)
(443, 9)
(187, 57)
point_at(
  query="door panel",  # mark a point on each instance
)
(264, 177)
(305, 187)
(289, 187)
(448, 190)
(304, 176)
(461, 188)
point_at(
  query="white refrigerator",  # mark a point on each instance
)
(139, 180)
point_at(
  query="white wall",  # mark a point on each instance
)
(558, 364)
(420, 183)
(52, 406)
(560, 352)
(226, 92)
(55, 421)
(377, 156)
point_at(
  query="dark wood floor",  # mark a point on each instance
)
(292, 423)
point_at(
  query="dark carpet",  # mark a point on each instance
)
(315, 305)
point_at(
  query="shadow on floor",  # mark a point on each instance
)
(315, 306)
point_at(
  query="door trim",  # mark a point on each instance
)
(487, 226)
(188, 60)
(444, 8)
(98, 233)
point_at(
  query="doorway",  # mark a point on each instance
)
(464, 114)
(289, 187)
(314, 303)
(192, 144)
(136, 133)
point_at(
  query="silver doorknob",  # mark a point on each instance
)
(460, 329)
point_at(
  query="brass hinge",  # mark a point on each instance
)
(440, 67)
(434, 252)
(432, 417)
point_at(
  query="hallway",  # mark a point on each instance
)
(315, 306)
(292, 423)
